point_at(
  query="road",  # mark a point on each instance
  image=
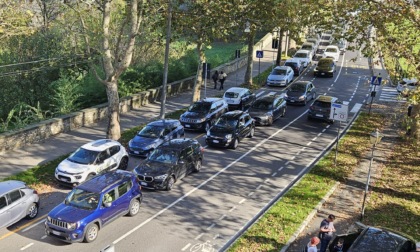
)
(205, 210)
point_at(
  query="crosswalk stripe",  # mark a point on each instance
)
(356, 108)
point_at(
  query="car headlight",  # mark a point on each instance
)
(285, 96)
(228, 136)
(208, 133)
(161, 177)
(48, 218)
(269, 114)
(330, 71)
(201, 120)
(302, 97)
(71, 226)
(130, 142)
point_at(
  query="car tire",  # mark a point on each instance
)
(170, 183)
(234, 144)
(251, 132)
(134, 207)
(32, 211)
(91, 233)
(123, 163)
(197, 166)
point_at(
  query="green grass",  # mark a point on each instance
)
(275, 228)
(220, 53)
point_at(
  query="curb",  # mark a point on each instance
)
(309, 218)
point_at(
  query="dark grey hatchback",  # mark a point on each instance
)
(300, 92)
(231, 128)
(267, 109)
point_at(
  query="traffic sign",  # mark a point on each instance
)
(260, 54)
(376, 80)
(339, 112)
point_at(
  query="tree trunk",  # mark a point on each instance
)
(113, 130)
(198, 77)
(279, 49)
(250, 61)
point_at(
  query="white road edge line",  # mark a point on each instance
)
(274, 174)
(233, 208)
(199, 236)
(43, 237)
(222, 217)
(211, 226)
(242, 201)
(33, 225)
(205, 182)
(186, 247)
(27, 246)
(250, 194)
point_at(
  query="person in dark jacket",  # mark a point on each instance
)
(215, 78)
(326, 232)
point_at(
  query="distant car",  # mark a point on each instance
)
(154, 134)
(325, 67)
(169, 163)
(280, 76)
(321, 108)
(342, 45)
(202, 114)
(296, 65)
(230, 129)
(17, 201)
(309, 46)
(324, 43)
(91, 159)
(239, 98)
(319, 53)
(267, 109)
(327, 37)
(300, 92)
(94, 204)
(332, 51)
(304, 56)
(314, 41)
(406, 85)
(368, 238)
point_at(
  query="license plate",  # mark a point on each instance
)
(187, 126)
(292, 100)
(136, 152)
(55, 232)
(64, 179)
(143, 183)
(215, 141)
(319, 115)
(322, 73)
(230, 101)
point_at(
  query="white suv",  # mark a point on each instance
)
(332, 51)
(304, 56)
(90, 159)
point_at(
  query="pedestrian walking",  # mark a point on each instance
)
(215, 78)
(311, 247)
(222, 78)
(326, 232)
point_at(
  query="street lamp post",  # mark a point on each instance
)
(375, 138)
(275, 42)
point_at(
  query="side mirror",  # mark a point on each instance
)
(181, 162)
(107, 204)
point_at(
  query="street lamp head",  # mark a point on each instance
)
(247, 27)
(375, 137)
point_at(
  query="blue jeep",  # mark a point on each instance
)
(92, 205)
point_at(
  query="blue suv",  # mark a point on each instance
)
(92, 205)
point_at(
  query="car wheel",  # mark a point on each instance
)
(251, 132)
(134, 207)
(123, 163)
(207, 127)
(170, 183)
(91, 232)
(234, 144)
(197, 166)
(32, 211)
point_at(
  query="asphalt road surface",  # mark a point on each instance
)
(205, 210)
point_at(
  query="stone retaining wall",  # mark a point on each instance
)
(45, 129)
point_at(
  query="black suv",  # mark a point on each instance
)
(321, 108)
(169, 163)
(231, 128)
(325, 67)
(202, 114)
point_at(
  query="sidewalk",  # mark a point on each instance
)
(19, 160)
(345, 201)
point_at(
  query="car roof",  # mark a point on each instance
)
(326, 98)
(100, 145)
(308, 43)
(282, 67)
(378, 239)
(331, 46)
(178, 143)
(233, 114)
(237, 90)
(164, 123)
(301, 83)
(211, 99)
(7, 186)
(294, 60)
(104, 181)
(326, 59)
(267, 98)
(302, 51)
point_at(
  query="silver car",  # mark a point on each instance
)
(17, 201)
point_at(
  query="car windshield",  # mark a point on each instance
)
(83, 156)
(231, 95)
(325, 37)
(263, 105)
(297, 88)
(331, 50)
(290, 64)
(199, 107)
(226, 122)
(82, 199)
(151, 131)
(278, 72)
(322, 104)
(324, 63)
(320, 51)
(300, 55)
(311, 40)
(324, 43)
(164, 156)
(306, 47)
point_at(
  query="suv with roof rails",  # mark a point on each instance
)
(239, 98)
(202, 114)
(91, 159)
(94, 204)
(321, 108)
